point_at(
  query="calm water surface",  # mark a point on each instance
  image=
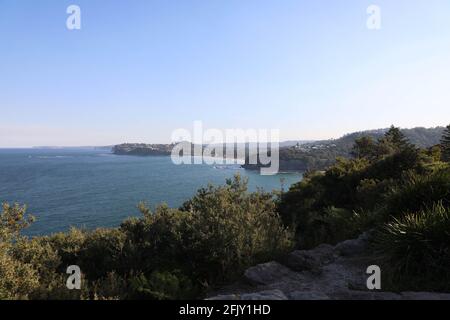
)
(92, 188)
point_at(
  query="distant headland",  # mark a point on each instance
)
(143, 149)
(300, 155)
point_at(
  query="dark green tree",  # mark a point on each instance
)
(397, 138)
(392, 142)
(445, 144)
(365, 147)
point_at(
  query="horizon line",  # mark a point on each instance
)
(281, 141)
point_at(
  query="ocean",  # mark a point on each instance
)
(94, 188)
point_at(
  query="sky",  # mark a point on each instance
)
(139, 69)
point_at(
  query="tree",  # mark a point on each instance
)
(365, 147)
(392, 142)
(445, 144)
(397, 138)
(435, 152)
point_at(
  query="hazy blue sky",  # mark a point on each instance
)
(138, 69)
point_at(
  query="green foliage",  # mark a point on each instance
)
(417, 192)
(166, 254)
(445, 144)
(320, 155)
(416, 249)
(401, 192)
(356, 189)
(333, 225)
(213, 237)
(395, 138)
(435, 153)
(365, 147)
(17, 279)
(162, 286)
(13, 219)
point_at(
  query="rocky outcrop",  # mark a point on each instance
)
(269, 273)
(312, 260)
(324, 273)
(353, 247)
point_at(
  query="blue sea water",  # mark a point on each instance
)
(94, 188)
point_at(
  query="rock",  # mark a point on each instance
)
(365, 295)
(380, 295)
(323, 273)
(265, 295)
(312, 260)
(425, 296)
(308, 295)
(268, 273)
(228, 297)
(262, 295)
(353, 247)
(337, 295)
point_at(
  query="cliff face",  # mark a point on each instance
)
(324, 273)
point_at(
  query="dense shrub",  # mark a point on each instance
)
(162, 286)
(213, 237)
(418, 192)
(17, 279)
(361, 193)
(401, 192)
(416, 249)
(166, 254)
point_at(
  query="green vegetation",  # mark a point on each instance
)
(400, 192)
(320, 155)
(416, 249)
(166, 254)
(445, 144)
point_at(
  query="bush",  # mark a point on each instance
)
(351, 196)
(416, 249)
(17, 279)
(213, 237)
(418, 192)
(162, 286)
(232, 229)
